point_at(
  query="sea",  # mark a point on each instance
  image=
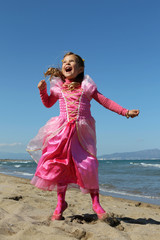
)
(137, 180)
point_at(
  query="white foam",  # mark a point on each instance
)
(145, 164)
(128, 194)
(18, 161)
(23, 173)
(150, 165)
(17, 166)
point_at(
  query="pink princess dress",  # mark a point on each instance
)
(65, 148)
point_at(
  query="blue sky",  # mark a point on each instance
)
(120, 42)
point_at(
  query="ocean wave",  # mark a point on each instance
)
(107, 186)
(123, 193)
(145, 164)
(23, 173)
(17, 174)
(6, 173)
(29, 161)
(17, 166)
(3, 163)
(17, 161)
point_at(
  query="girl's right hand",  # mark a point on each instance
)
(42, 85)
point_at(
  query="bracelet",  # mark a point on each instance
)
(127, 114)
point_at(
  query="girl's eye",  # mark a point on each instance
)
(71, 60)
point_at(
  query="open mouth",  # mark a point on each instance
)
(68, 69)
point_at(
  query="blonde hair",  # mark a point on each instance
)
(56, 72)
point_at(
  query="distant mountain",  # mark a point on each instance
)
(21, 156)
(144, 154)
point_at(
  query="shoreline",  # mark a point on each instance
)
(125, 196)
(25, 213)
(101, 193)
(140, 201)
(147, 200)
(118, 192)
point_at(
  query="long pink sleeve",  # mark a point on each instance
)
(48, 101)
(109, 104)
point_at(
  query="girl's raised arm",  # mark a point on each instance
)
(48, 101)
(42, 85)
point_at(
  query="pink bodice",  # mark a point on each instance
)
(74, 104)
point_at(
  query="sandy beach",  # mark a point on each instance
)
(25, 213)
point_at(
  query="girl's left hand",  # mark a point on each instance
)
(133, 113)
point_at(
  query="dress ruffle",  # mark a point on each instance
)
(49, 130)
(65, 162)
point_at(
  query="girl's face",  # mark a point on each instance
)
(70, 67)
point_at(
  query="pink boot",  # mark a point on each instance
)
(61, 206)
(101, 213)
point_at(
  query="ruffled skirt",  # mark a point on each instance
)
(64, 160)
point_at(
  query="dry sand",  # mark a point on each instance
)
(25, 213)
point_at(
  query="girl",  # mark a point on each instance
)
(67, 143)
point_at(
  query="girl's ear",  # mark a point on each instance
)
(81, 69)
